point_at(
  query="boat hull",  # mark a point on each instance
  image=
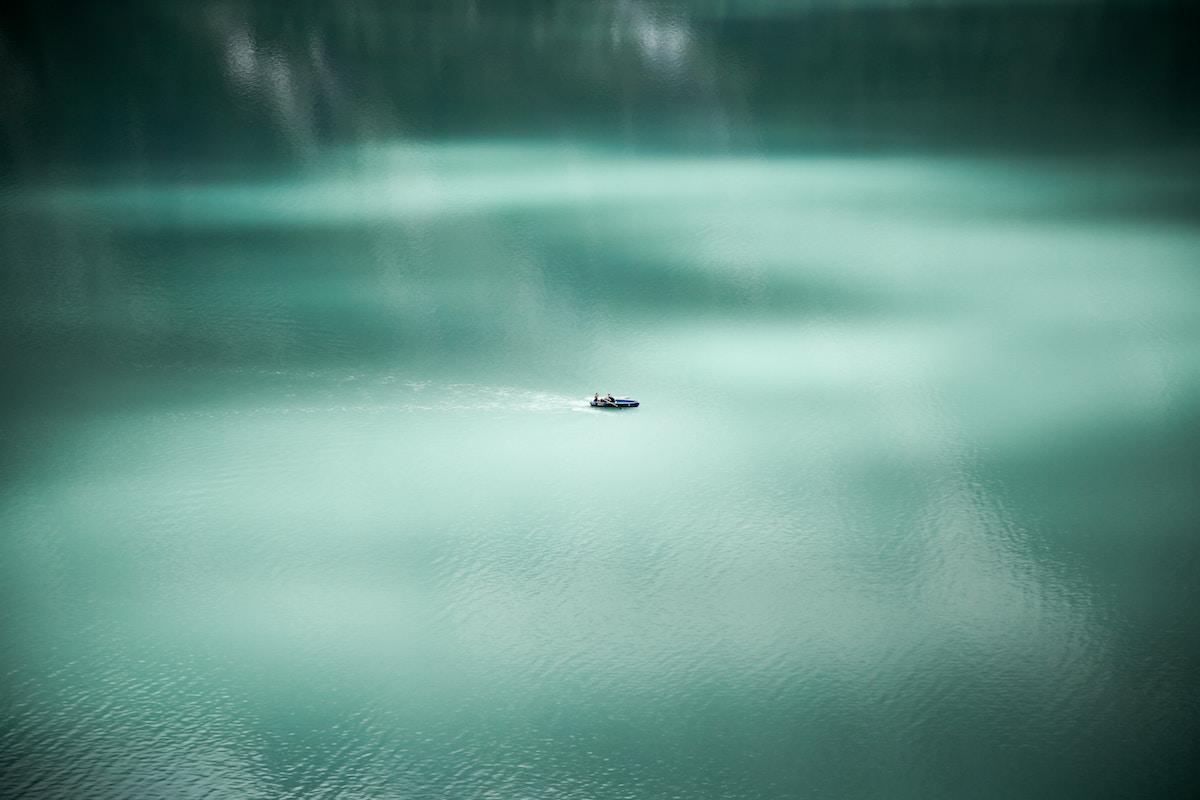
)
(621, 402)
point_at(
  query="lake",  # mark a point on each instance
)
(301, 495)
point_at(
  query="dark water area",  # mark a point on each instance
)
(177, 85)
(301, 306)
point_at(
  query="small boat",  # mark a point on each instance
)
(616, 402)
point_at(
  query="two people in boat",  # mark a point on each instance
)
(608, 398)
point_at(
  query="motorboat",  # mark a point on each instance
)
(616, 402)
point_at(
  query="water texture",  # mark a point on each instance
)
(301, 306)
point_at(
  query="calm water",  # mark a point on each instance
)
(301, 497)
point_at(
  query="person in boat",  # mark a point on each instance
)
(596, 397)
(611, 399)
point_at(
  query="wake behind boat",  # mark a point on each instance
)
(613, 402)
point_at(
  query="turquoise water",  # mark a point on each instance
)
(301, 496)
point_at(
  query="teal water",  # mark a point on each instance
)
(300, 494)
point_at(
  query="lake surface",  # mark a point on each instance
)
(301, 495)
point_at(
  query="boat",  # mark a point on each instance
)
(616, 402)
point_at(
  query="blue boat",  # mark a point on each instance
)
(616, 402)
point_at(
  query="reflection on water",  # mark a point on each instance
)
(301, 495)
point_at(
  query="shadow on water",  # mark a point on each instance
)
(233, 85)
